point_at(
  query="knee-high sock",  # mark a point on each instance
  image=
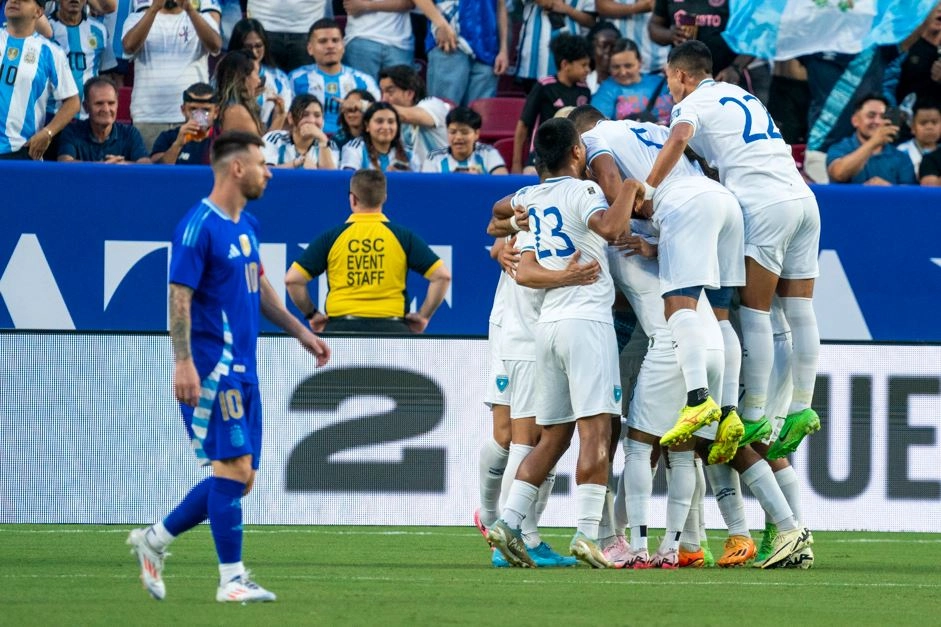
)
(638, 484)
(620, 507)
(518, 453)
(519, 502)
(225, 518)
(493, 458)
(790, 487)
(728, 492)
(701, 503)
(681, 475)
(689, 343)
(733, 364)
(589, 501)
(192, 510)
(806, 341)
(691, 529)
(757, 359)
(530, 525)
(607, 528)
(760, 480)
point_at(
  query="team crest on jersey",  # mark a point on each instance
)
(617, 393)
(332, 89)
(246, 244)
(502, 382)
(92, 41)
(13, 53)
(675, 113)
(29, 57)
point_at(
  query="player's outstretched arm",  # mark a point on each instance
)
(671, 152)
(274, 310)
(530, 274)
(185, 378)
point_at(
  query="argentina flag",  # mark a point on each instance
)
(784, 29)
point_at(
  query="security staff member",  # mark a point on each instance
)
(366, 260)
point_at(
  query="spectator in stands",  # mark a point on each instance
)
(629, 93)
(566, 88)
(631, 17)
(249, 35)
(23, 94)
(327, 78)
(114, 22)
(380, 147)
(465, 67)
(921, 67)
(868, 156)
(351, 117)
(378, 34)
(601, 40)
(543, 21)
(84, 39)
(304, 144)
(170, 43)
(675, 21)
(190, 143)
(422, 117)
(287, 23)
(930, 170)
(464, 152)
(100, 138)
(370, 298)
(237, 89)
(926, 131)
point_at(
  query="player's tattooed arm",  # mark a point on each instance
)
(181, 297)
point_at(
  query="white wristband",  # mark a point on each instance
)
(513, 225)
(648, 191)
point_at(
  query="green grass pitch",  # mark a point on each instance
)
(84, 575)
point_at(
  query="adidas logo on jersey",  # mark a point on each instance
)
(234, 251)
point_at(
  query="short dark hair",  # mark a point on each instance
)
(626, 45)
(691, 56)
(200, 92)
(300, 104)
(566, 47)
(96, 81)
(870, 96)
(924, 103)
(584, 117)
(233, 142)
(323, 24)
(369, 186)
(406, 78)
(601, 27)
(464, 115)
(554, 141)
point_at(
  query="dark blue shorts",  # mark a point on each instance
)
(227, 421)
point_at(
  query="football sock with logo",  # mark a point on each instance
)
(757, 359)
(689, 344)
(760, 480)
(493, 459)
(728, 492)
(192, 510)
(225, 518)
(806, 340)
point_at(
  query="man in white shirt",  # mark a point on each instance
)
(378, 34)
(423, 117)
(287, 23)
(170, 43)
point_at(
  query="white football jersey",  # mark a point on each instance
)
(522, 305)
(559, 210)
(734, 132)
(496, 312)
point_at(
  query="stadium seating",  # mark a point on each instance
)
(500, 116)
(799, 151)
(124, 105)
(505, 148)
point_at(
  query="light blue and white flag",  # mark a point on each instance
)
(784, 29)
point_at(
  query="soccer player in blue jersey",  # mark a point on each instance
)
(217, 290)
(31, 69)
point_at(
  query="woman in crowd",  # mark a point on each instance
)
(351, 117)
(627, 92)
(237, 89)
(304, 144)
(249, 35)
(380, 147)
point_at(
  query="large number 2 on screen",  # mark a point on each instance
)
(747, 134)
(555, 232)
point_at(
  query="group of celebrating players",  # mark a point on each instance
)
(629, 208)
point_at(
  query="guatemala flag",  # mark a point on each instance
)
(784, 29)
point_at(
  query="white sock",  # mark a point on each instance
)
(733, 364)
(638, 484)
(691, 528)
(158, 537)
(760, 480)
(589, 501)
(530, 524)
(780, 388)
(728, 492)
(681, 477)
(228, 572)
(545, 491)
(689, 343)
(518, 503)
(491, 465)
(700, 503)
(806, 341)
(620, 508)
(757, 358)
(790, 487)
(606, 528)
(518, 453)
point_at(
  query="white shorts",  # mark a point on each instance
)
(702, 237)
(498, 381)
(576, 371)
(522, 388)
(660, 393)
(638, 278)
(785, 237)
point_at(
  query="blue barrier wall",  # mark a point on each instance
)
(85, 246)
